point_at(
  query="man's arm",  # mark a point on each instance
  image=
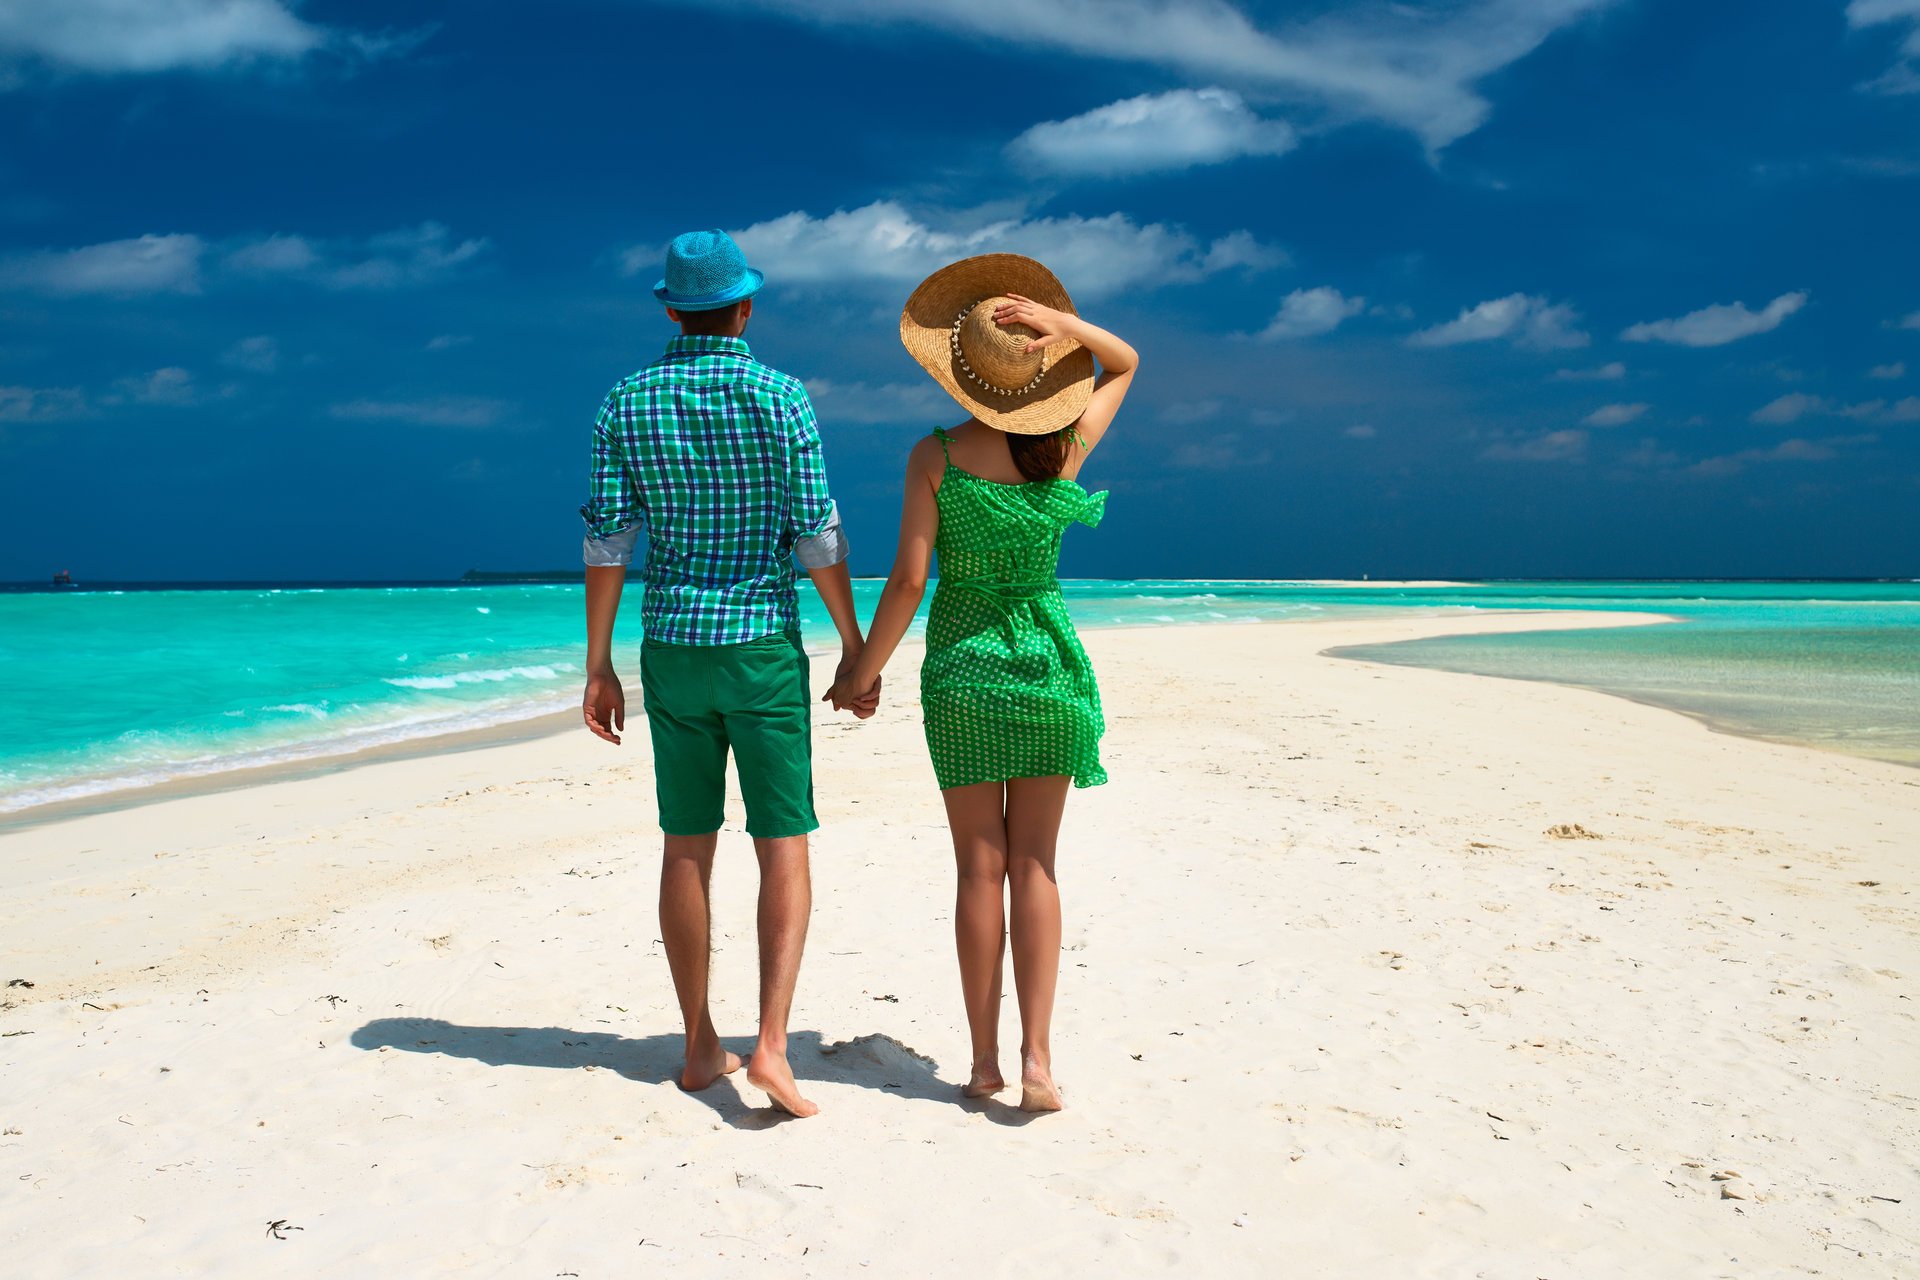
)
(605, 703)
(819, 542)
(612, 516)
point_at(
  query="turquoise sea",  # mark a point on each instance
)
(102, 690)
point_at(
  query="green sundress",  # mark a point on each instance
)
(1006, 689)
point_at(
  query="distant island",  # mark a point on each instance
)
(535, 575)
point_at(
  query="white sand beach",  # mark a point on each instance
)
(1370, 972)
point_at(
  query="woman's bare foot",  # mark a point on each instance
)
(1038, 1092)
(769, 1071)
(986, 1080)
(707, 1064)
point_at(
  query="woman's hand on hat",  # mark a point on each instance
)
(1044, 321)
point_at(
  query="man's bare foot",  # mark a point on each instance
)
(1038, 1092)
(770, 1072)
(706, 1065)
(986, 1080)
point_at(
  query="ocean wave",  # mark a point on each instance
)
(169, 758)
(488, 675)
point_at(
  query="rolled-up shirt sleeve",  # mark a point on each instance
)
(818, 538)
(612, 510)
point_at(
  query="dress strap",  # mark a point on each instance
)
(940, 434)
(1073, 435)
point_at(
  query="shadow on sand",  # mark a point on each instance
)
(869, 1062)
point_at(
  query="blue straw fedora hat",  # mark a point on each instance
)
(706, 271)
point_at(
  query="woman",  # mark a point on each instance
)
(1012, 710)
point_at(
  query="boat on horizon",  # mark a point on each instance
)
(62, 578)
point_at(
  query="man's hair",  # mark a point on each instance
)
(708, 323)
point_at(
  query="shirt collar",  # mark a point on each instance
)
(698, 345)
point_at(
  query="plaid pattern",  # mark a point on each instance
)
(718, 456)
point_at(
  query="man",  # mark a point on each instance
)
(716, 458)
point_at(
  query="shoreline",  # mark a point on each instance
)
(551, 723)
(1726, 728)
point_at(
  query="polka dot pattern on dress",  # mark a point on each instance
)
(1006, 687)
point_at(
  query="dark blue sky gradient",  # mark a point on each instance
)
(1644, 162)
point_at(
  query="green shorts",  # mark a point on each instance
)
(753, 697)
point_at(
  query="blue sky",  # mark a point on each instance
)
(1488, 287)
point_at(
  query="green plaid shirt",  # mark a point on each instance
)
(717, 458)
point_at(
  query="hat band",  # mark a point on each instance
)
(967, 369)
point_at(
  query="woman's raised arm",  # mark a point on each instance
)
(907, 584)
(1117, 359)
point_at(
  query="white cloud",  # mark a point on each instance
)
(1524, 320)
(448, 341)
(1307, 312)
(1649, 453)
(41, 404)
(1187, 412)
(1788, 408)
(1614, 415)
(145, 264)
(153, 35)
(890, 402)
(437, 411)
(1552, 446)
(1219, 451)
(1151, 134)
(1360, 431)
(1609, 372)
(170, 386)
(1888, 372)
(1795, 450)
(273, 255)
(883, 244)
(1911, 321)
(391, 260)
(1864, 13)
(1904, 75)
(1241, 249)
(1410, 67)
(1797, 405)
(260, 354)
(1718, 325)
(177, 263)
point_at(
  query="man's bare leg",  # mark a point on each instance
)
(977, 817)
(786, 902)
(686, 926)
(1034, 809)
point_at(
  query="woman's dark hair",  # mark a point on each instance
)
(1041, 457)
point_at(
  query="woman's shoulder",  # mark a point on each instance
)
(927, 457)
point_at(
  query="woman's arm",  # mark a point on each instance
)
(1118, 361)
(907, 584)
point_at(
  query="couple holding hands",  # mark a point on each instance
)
(714, 459)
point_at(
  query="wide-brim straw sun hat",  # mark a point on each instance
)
(948, 327)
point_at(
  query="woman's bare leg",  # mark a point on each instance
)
(977, 817)
(1034, 809)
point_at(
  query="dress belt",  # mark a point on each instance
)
(1007, 590)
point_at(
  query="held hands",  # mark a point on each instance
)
(845, 696)
(1049, 324)
(604, 705)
